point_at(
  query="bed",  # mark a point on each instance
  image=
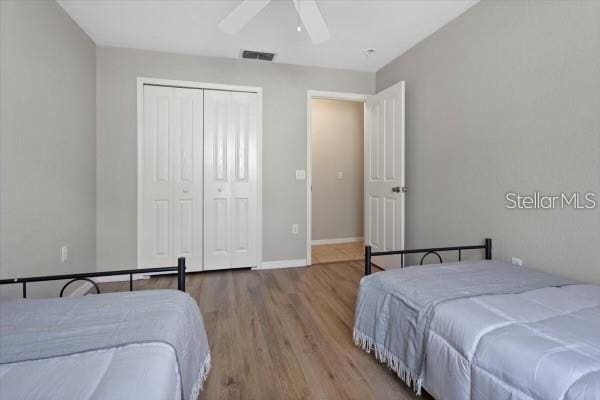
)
(483, 330)
(149, 344)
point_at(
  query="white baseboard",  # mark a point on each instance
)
(81, 290)
(120, 278)
(86, 286)
(337, 241)
(284, 264)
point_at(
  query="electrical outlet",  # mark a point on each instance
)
(295, 229)
(517, 261)
(300, 174)
(64, 253)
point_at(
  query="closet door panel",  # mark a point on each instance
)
(157, 198)
(188, 126)
(216, 180)
(243, 173)
(172, 187)
(231, 162)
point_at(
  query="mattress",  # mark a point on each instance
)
(138, 371)
(541, 344)
(148, 344)
(483, 330)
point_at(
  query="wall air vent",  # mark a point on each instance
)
(257, 55)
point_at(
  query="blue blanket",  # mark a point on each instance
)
(45, 328)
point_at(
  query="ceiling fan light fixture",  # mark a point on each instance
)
(368, 52)
(309, 18)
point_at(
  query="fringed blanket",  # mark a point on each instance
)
(413, 293)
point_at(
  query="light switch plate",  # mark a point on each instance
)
(300, 174)
(64, 254)
(340, 175)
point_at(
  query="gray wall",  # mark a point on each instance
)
(505, 98)
(337, 146)
(284, 140)
(47, 142)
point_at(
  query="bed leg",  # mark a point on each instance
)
(488, 249)
(181, 274)
(367, 260)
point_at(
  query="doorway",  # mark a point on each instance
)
(335, 177)
(384, 187)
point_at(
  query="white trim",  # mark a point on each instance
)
(318, 94)
(403, 210)
(284, 264)
(120, 278)
(86, 286)
(259, 199)
(337, 241)
(140, 168)
(81, 290)
(198, 85)
(141, 81)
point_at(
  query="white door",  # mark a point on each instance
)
(230, 176)
(384, 169)
(171, 223)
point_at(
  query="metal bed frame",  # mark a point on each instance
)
(86, 276)
(486, 246)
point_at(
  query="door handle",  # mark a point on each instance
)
(398, 189)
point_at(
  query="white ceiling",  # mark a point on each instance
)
(190, 27)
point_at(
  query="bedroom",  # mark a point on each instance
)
(500, 98)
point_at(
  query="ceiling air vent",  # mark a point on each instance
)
(257, 55)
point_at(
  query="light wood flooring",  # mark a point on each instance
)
(284, 334)
(328, 253)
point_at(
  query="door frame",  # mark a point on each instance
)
(319, 94)
(141, 81)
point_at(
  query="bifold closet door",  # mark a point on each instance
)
(230, 179)
(172, 187)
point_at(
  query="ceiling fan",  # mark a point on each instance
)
(308, 11)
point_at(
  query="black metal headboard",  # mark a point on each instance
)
(86, 276)
(486, 246)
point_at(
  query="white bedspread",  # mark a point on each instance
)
(116, 373)
(541, 344)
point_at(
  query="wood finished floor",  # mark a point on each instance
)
(284, 334)
(328, 253)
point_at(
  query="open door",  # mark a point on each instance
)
(385, 188)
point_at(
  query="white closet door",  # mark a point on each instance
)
(172, 176)
(384, 169)
(230, 176)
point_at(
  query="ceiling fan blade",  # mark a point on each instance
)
(313, 20)
(241, 15)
